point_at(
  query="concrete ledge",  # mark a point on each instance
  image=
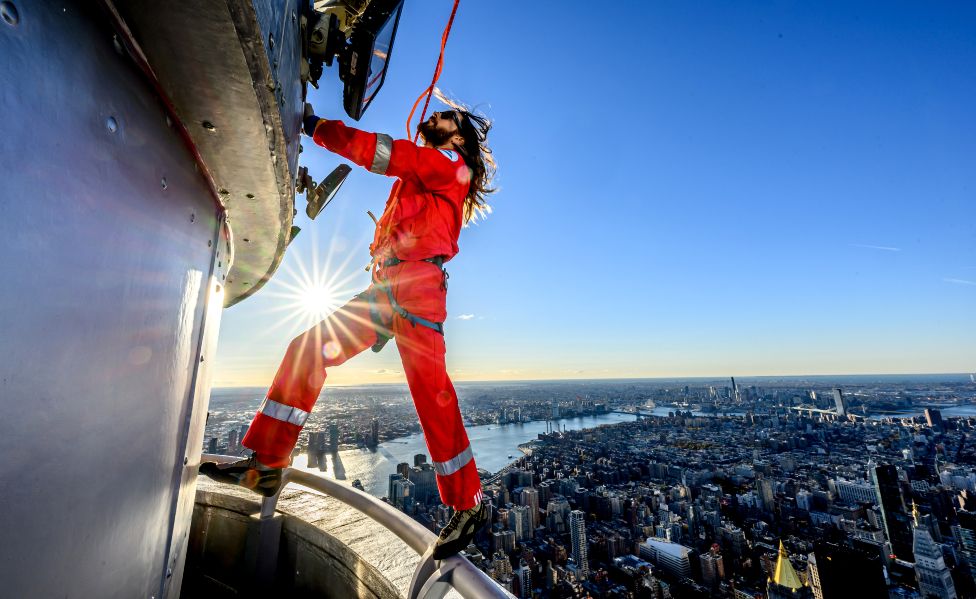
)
(326, 548)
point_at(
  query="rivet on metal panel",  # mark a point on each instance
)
(117, 45)
(193, 217)
(163, 183)
(250, 196)
(201, 358)
(111, 124)
(246, 240)
(209, 242)
(209, 126)
(9, 13)
(220, 264)
(186, 460)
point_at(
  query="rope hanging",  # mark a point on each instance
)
(437, 74)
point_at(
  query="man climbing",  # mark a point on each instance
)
(440, 186)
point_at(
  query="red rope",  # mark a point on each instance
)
(437, 74)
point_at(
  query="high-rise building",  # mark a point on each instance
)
(419, 459)
(897, 524)
(520, 522)
(836, 571)
(333, 436)
(785, 583)
(393, 478)
(855, 492)
(402, 495)
(667, 555)
(425, 483)
(712, 567)
(374, 432)
(577, 530)
(934, 578)
(934, 419)
(524, 577)
(212, 445)
(557, 515)
(964, 532)
(503, 541)
(232, 440)
(529, 497)
(840, 403)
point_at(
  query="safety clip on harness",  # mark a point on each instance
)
(383, 333)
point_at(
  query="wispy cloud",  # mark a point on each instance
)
(959, 281)
(387, 371)
(465, 316)
(883, 248)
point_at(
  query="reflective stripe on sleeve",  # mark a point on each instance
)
(381, 159)
(454, 464)
(280, 411)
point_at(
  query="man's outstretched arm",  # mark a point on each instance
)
(381, 154)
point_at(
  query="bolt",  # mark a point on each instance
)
(208, 126)
(163, 183)
(246, 240)
(111, 124)
(9, 13)
(250, 196)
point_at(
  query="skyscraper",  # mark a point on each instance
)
(840, 403)
(333, 436)
(934, 578)
(934, 419)
(712, 567)
(577, 530)
(524, 577)
(520, 522)
(529, 497)
(897, 524)
(374, 432)
(419, 459)
(836, 571)
(785, 583)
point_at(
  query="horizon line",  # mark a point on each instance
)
(643, 378)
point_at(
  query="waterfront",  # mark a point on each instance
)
(492, 445)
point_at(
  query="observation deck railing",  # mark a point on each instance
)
(431, 579)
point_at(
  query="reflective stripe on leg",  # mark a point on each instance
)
(280, 411)
(454, 464)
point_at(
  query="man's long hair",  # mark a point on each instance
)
(477, 155)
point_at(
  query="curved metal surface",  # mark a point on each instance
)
(114, 254)
(231, 69)
(455, 571)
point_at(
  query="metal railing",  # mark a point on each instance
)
(431, 579)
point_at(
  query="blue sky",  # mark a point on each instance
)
(685, 189)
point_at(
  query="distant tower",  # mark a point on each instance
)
(530, 498)
(735, 391)
(934, 578)
(577, 530)
(785, 583)
(374, 432)
(419, 459)
(333, 436)
(840, 403)
(524, 577)
(897, 524)
(712, 567)
(933, 418)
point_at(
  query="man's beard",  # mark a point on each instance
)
(432, 135)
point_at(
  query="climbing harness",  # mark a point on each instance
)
(383, 332)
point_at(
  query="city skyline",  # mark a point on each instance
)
(779, 192)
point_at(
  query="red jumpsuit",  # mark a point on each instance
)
(422, 219)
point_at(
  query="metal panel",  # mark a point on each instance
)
(241, 100)
(109, 237)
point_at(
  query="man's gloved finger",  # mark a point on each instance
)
(309, 111)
